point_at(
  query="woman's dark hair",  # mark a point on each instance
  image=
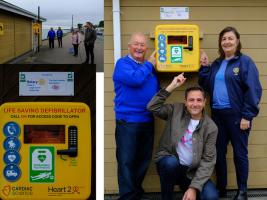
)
(195, 88)
(239, 46)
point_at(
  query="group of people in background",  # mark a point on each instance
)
(89, 41)
(51, 35)
(192, 144)
(76, 39)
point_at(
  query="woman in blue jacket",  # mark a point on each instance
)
(232, 81)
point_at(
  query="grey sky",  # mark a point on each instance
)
(59, 12)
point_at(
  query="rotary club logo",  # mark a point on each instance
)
(41, 81)
(6, 190)
(236, 70)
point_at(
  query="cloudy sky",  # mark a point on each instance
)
(59, 12)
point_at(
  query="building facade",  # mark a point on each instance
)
(18, 36)
(250, 19)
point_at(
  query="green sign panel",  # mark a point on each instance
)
(42, 164)
(176, 54)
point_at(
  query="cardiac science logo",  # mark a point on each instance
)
(6, 190)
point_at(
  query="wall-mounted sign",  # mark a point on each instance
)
(46, 84)
(36, 28)
(1, 29)
(168, 13)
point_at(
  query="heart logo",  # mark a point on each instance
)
(6, 190)
(11, 158)
(42, 158)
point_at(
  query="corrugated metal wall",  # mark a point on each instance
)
(250, 19)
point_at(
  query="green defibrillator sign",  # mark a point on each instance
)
(42, 167)
(176, 54)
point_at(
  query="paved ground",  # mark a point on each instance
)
(260, 194)
(63, 55)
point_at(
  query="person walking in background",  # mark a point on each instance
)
(89, 41)
(135, 83)
(51, 36)
(232, 81)
(186, 155)
(76, 40)
(59, 37)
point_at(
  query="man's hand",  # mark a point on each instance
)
(152, 58)
(176, 82)
(244, 124)
(204, 60)
(190, 194)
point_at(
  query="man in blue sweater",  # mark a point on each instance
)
(51, 36)
(135, 83)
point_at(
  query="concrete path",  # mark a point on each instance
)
(63, 55)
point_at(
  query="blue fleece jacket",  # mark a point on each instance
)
(51, 34)
(135, 84)
(59, 33)
(242, 82)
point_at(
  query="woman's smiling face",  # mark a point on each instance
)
(229, 43)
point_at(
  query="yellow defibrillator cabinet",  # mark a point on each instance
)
(45, 150)
(177, 47)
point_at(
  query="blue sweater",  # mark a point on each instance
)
(135, 84)
(242, 82)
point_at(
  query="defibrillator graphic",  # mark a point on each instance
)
(177, 48)
(45, 151)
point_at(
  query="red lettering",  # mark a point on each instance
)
(9, 110)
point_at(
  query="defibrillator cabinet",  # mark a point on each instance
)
(177, 47)
(45, 150)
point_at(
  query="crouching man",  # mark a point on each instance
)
(186, 154)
